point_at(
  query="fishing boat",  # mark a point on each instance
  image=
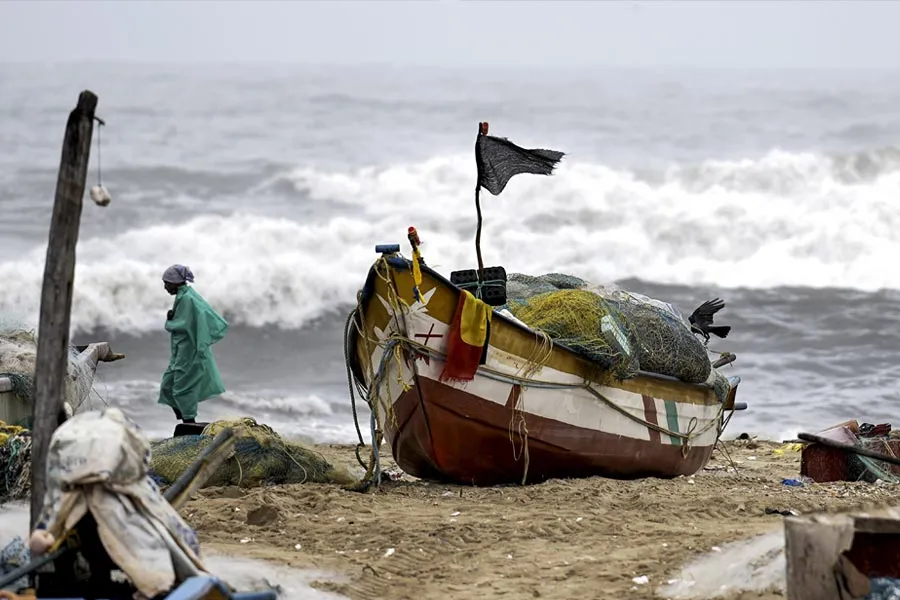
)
(15, 408)
(532, 411)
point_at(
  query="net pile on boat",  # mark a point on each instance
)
(261, 457)
(18, 356)
(622, 331)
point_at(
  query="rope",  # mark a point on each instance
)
(390, 350)
(536, 361)
(480, 285)
(873, 465)
(362, 444)
(99, 161)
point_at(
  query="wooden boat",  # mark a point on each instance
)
(15, 410)
(533, 411)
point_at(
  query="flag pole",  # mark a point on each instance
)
(482, 130)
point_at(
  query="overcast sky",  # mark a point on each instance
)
(851, 34)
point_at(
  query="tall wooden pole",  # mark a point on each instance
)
(56, 295)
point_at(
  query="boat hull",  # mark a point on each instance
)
(531, 413)
(460, 437)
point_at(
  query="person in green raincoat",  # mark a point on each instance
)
(192, 375)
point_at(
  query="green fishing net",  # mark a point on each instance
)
(622, 331)
(261, 457)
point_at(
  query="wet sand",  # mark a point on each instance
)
(562, 539)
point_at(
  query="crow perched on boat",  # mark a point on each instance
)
(702, 319)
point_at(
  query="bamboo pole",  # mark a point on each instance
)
(194, 477)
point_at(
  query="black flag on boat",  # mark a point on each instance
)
(499, 160)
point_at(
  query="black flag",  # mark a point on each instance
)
(499, 160)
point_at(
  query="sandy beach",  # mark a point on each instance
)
(561, 539)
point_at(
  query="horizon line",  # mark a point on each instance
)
(441, 66)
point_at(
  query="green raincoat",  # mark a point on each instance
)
(192, 375)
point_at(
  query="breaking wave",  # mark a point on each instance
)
(780, 220)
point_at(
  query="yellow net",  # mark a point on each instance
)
(8, 431)
(261, 457)
(621, 331)
(586, 323)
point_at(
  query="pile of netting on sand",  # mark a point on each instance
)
(622, 331)
(261, 457)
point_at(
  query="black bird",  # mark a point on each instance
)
(702, 319)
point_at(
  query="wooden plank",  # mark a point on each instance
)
(886, 524)
(813, 546)
(56, 294)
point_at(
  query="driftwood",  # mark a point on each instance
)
(56, 294)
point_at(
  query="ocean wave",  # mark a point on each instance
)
(785, 219)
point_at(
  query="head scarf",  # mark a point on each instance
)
(178, 274)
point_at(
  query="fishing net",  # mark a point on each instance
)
(584, 322)
(665, 344)
(15, 462)
(522, 287)
(622, 331)
(261, 457)
(18, 356)
(863, 468)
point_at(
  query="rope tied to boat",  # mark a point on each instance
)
(391, 349)
(534, 363)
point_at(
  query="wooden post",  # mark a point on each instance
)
(833, 556)
(56, 295)
(813, 545)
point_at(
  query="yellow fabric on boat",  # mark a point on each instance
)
(474, 320)
(416, 268)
